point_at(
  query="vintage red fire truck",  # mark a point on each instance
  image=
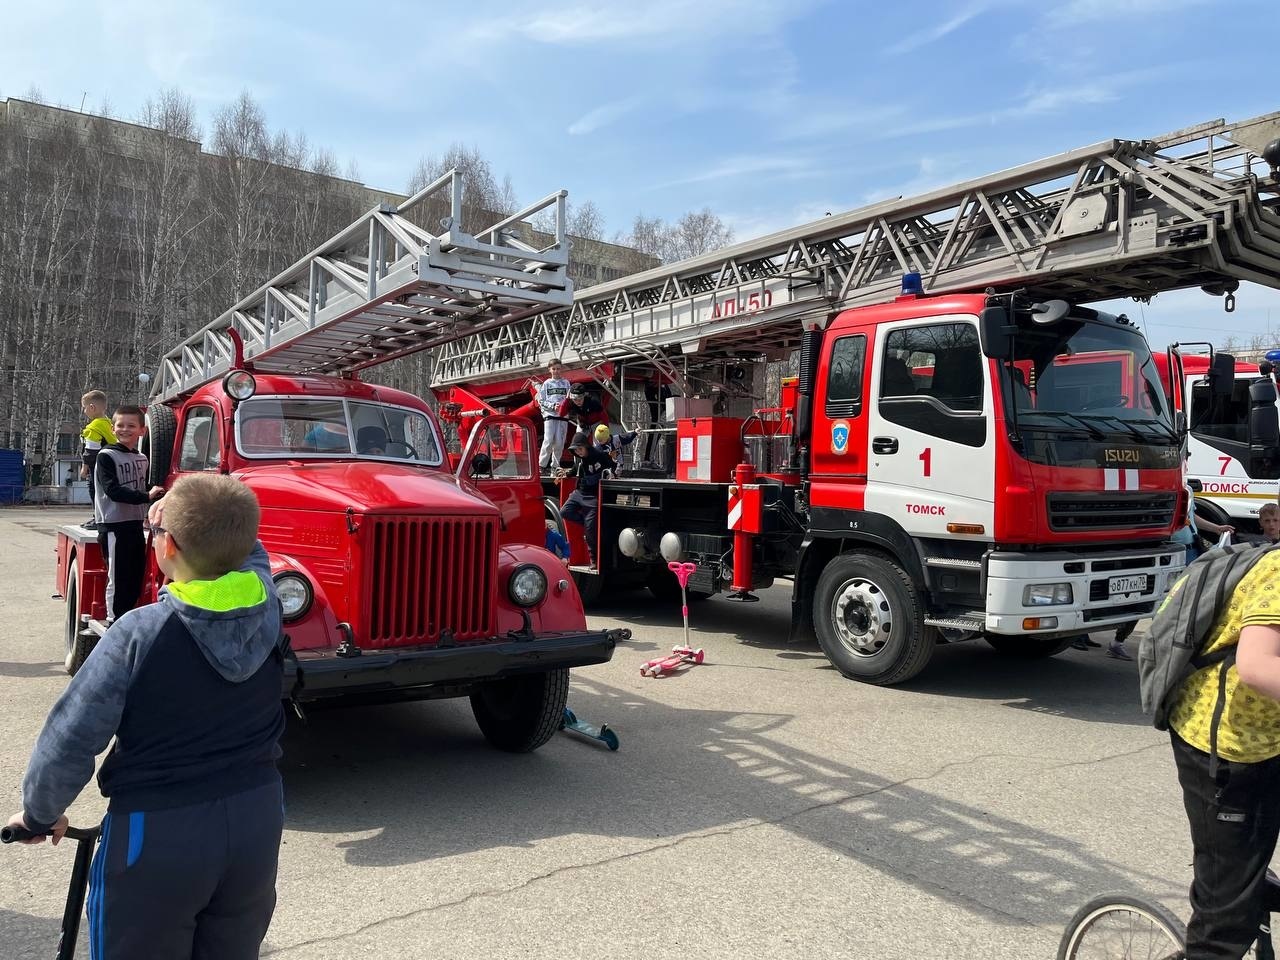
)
(399, 576)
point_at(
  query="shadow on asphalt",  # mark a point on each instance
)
(1084, 686)
(28, 938)
(421, 776)
(29, 670)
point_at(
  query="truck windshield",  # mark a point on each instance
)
(1088, 375)
(273, 427)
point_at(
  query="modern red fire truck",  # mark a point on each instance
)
(400, 578)
(990, 459)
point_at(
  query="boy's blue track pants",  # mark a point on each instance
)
(193, 882)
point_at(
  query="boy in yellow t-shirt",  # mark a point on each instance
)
(96, 435)
(1234, 817)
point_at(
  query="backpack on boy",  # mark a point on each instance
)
(1171, 650)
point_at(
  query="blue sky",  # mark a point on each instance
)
(771, 112)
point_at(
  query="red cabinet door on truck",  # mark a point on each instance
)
(838, 445)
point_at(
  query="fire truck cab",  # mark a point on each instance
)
(1234, 432)
(982, 465)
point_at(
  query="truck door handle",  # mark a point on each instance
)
(884, 445)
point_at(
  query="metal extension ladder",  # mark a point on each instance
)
(384, 288)
(1119, 218)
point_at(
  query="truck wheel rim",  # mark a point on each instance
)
(71, 618)
(862, 617)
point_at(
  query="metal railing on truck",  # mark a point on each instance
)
(384, 288)
(1120, 218)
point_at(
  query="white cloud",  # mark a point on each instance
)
(1053, 101)
(783, 165)
(1079, 12)
(932, 173)
(603, 115)
(750, 224)
(669, 22)
(816, 121)
(1034, 102)
(916, 40)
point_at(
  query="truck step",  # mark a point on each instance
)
(972, 621)
(953, 563)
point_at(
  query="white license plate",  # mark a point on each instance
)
(1119, 586)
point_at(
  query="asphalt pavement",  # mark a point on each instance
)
(760, 805)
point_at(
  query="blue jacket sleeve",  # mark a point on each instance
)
(557, 544)
(82, 722)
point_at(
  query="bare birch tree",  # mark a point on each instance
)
(164, 222)
(240, 180)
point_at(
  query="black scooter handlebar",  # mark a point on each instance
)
(19, 834)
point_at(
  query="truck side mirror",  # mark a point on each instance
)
(1180, 422)
(1222, 376)
(1195, 485)
(481, 465)
(996, 333)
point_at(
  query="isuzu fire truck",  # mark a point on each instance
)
(400, 578)
(990, 459)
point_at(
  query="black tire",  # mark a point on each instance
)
(665, 588)
(551, 508)
(590, 586)
(78, 641)
(1027, 648)
(162, 432)
(869, 620)
(521, 714)
(1210, 511)
(1110, 925)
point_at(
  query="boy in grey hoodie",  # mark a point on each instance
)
(190, 687)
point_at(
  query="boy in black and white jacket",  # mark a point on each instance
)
(120, 506)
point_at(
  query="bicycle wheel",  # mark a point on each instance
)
(1120, 927)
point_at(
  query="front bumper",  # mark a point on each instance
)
(1093, 606)
(313, 675)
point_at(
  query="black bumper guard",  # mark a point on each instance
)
(310, 675)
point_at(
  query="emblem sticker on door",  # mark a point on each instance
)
(840, 437)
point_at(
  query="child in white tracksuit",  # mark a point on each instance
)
(551, 393)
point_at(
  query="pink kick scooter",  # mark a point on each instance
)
(682, 654)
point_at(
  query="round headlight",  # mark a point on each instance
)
(295, 595)
(528, 586)
(239, 385)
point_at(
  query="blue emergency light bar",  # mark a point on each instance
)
(912, 284)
